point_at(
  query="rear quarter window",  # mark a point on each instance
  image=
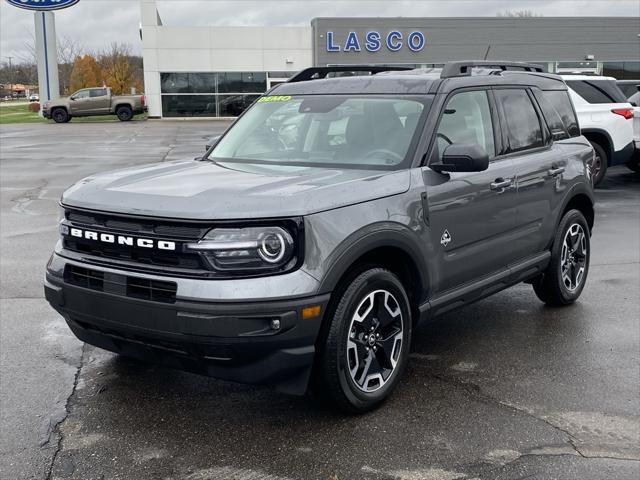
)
(559, 113)
(598, 91)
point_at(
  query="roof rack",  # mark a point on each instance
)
(315, 73)
(463, 69)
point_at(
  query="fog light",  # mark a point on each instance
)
(275, 324)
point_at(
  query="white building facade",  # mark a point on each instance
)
(215, 71)
(219, 71)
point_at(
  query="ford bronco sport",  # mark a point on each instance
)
(338, 211)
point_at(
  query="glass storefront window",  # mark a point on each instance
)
(189, 105)
(225, 94)
(622, 70)
(242, 82)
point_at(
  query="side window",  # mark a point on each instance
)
(81, 94)
(598, 91)
(562, 104)
(522, 122)
(98, 92)
(466, 119)
(555, 123)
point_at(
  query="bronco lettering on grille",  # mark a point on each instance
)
(122, 239)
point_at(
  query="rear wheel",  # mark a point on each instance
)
(124, 113)
(565, 277)
(600, 163)
(367, 342)
(60, 115)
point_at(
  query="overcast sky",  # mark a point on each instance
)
(96, 23)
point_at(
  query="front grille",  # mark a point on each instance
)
(182, 260)
(178, 261)
(138, 226)
(140, 288)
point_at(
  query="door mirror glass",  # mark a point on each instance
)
(463, 157)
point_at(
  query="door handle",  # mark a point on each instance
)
(501, 184)
(555, 171)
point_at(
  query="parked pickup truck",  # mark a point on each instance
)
(94, 101)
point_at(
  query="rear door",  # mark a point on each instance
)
(100, 101)
(472, 215)
(539, 164)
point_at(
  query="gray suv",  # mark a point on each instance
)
(337, 212)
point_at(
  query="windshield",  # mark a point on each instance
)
(324, 130)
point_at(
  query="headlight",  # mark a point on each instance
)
(252, 249)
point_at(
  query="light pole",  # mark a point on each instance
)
(10, 76)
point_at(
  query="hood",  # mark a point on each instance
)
(208, 191)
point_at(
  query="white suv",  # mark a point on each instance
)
(606, 120)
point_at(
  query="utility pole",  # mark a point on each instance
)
(10, 76)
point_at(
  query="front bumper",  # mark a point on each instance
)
(46, 113)
(228, 340)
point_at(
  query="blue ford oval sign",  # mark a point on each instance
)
(43, 4)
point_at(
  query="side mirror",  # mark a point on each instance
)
(72, 98)
(462, 157)
(212, 142)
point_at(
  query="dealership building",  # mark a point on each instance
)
(218, 71)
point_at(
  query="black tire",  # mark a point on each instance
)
(60, 115)
(347, 342)
(124, 113)
(634, 163)
(600, 164)
(553, 287)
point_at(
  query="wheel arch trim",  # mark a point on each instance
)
(358, 244)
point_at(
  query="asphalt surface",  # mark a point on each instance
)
(503, 389)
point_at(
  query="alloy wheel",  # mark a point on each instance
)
(375, 341)
(573, 258)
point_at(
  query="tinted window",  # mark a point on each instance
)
(598, 91)
(558, 113)
(522, 122)
(562, 104)
(466, 119)
(629, 88)
(242, 82)
(81, 94)
(98, 92)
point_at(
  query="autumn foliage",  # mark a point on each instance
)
(114, 67)
(86, 73)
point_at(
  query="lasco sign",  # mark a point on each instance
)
(43, 4)
(373, 41)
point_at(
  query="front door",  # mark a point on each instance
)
(80, 102)
(472, 215)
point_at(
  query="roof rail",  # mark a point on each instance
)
(314, 73)
(463, 69)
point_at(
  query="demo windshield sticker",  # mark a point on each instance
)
(274, 98)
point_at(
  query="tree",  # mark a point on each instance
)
(85, 73)
(120, 69)
(517, 14)
(68, 50)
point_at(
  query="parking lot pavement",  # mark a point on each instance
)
(503, 389)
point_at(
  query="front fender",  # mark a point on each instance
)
(371, 237)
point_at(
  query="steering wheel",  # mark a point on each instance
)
(444, 137)
(384, 151)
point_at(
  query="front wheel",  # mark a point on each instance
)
(60, 115)
(565, 277)
(367, 342)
